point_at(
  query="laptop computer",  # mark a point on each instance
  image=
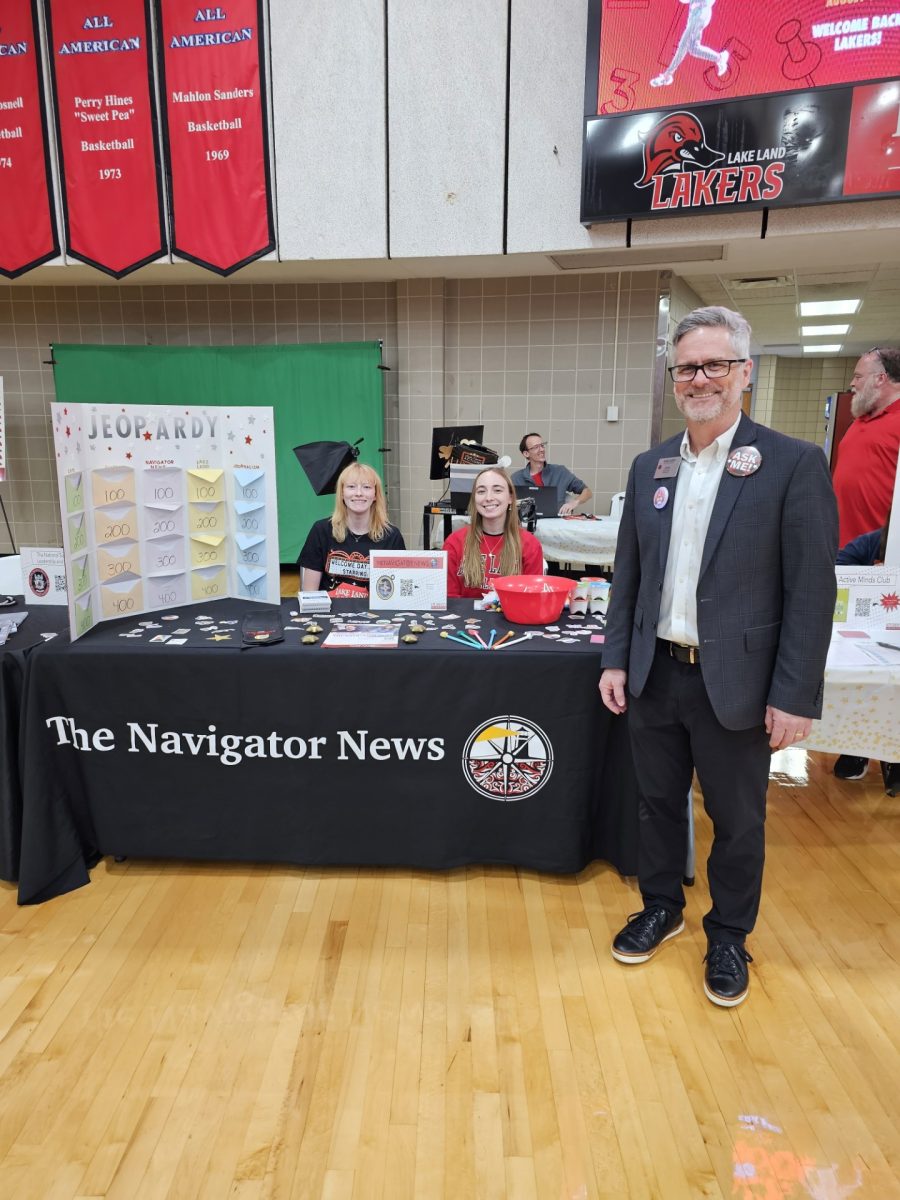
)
(545, 502)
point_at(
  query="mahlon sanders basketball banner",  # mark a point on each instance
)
(106, 132)
(27, 224)
(215, 130)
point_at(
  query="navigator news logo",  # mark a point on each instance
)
(507, 758)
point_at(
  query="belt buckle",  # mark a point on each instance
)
(693, 655)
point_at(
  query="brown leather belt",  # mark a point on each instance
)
(683, 654)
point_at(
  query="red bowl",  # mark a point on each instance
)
(532, 599)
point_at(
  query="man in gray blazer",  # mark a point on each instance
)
(718, 629)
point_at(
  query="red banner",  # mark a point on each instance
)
(27, 221)
(215, 127)
(106, 132)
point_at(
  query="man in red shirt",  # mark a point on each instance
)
(867, 456)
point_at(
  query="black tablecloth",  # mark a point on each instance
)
(48, 618)
(209, 751)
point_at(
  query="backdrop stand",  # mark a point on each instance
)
(12, 540)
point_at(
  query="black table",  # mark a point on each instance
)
(307, 755)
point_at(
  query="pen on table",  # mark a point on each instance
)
(491, 638)
(476, 634)
(463, 641)
(503, 644)
(505, 638)
(888, 645)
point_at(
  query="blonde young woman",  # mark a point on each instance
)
(335, 556)
(493, 543)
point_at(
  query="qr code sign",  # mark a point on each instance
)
(59, 583)
(406, 588)
(862, 607)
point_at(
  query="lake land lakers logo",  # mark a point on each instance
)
(677, 142)
(683, 169)
(507, 758)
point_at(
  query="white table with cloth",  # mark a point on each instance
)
(861, 711)
(573, 541)
(578, 541)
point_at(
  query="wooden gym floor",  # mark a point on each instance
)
(182, 1030)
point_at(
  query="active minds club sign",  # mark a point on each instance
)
(722, 134)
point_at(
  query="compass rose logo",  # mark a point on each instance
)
(507, 758)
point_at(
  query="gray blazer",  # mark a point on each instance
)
(766, 592)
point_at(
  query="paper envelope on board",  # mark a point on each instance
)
(74, 492)
(164, 590)
(208, 583)
(112, 485)
(165, 554)
(115, 524)
(124, 558)
(84, 614)
(122, 597)
(252, 582)
(81, 574)
(162, 520)
(251, 516)
(208, 549)
(251, 548)
(206, 518)
(249, 483)
(165, 486)
(77, 533)
(207, 486)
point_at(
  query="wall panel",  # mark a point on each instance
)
(328, 98)
(447, 126)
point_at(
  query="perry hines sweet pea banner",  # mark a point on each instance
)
(212, 82)
(107, 133)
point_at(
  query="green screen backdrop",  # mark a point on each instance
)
(321, 392)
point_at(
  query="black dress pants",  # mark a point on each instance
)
(673, 731)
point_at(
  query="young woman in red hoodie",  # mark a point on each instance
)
(493, 543)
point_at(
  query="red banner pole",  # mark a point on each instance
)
(27, 221)
(215, 130)
(106, 132)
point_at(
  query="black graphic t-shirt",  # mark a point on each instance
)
(344, 565)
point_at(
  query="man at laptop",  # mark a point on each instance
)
(539, 473)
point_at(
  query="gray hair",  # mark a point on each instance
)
(716, 317)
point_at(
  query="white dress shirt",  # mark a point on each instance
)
(700, 475)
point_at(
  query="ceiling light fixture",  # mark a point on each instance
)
(823, 330)
(827, 348)
(828, 308)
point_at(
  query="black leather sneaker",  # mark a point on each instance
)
(848, 766)
(891, 772)
(645, 933)
(727, 980)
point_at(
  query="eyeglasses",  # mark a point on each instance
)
(716, 368)
(537, 446)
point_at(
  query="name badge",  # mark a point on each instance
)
(743, 460)
(667, 468)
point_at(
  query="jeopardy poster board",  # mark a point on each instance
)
(163, 507)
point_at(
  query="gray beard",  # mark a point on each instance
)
(860, 407)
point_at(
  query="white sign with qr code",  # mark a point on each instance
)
(411, 579)
(43, 574)
(868, 598)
